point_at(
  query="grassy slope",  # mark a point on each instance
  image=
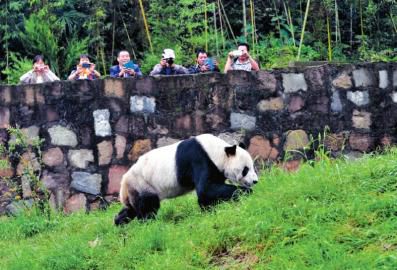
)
(334, 215)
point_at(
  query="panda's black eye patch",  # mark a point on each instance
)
(245, 171)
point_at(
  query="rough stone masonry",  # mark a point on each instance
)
(95, 130)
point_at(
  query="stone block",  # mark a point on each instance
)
(53, 157)
(114, 88)
(261, 148)
(296, 104)
(335, 141)
(164, 141)
(296, 139)
(28, 161)
(142, 104)
(105, 152)
(234, 138)
(360, 142)
(101, 123)
(293, 82)
(6, 172)
(31, 133)
(4, 117)
(242, 121)
(140, 147)
(394, 97)
(5, 95)
(343, 81)
(75, 203)
(395, 78)
(291, 165)
(51, 114)
(86, 182)
(361, 119)
(383, 79)
(116, 172)
(80, 158)
(272, 104)
(267, 81)
(120, 145)
(360, 98)
(336, 103)
(40, 98)
(363, 78)
(29, 95)
(62, 136)
(55, 181)
(26, 189)
(122, 125)
(184, 122)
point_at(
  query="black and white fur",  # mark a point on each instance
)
(202, 163)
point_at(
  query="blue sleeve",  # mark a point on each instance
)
(138, 71)
(114, 72)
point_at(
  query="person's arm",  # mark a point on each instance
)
(254, 64)
(114, 72)
(138, 72)
(181, 70)
(26, 78)
(73, 75)
(51, 76)
(229, 61)
(156, 70)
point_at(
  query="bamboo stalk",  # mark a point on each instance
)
(303, 29)
(287, 11)
(336, 22)
(244, 19)
(221, 25)
(146, 25)
(361, 19)
(206, 25)
(228, 23)
(252, 25)
(351, 26)
(113, 30)
(329, 40)
(278, 21)
(126, 31)
(216, 34)
(394, 24)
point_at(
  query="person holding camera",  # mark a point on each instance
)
(40, 72)
(85, 70)
(203, 63)
(126, 68)
(240, 59)
(167, 65)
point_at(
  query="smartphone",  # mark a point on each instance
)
(129, 65)
(86, 65)
(237, 53)
(210, 63)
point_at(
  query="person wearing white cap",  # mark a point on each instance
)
(167, 65)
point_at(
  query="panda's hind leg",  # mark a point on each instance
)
(147, 204)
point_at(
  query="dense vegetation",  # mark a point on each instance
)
(279, 31)
(329, 215)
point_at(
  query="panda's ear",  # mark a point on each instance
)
(231, 151)
(242, 145)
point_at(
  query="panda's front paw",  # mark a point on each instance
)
(245, 190)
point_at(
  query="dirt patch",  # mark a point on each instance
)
(234, 258)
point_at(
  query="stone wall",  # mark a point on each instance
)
(95, 130)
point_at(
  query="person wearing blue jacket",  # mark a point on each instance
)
(126, 68)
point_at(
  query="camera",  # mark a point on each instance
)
(40, 68)
(86, 65)
(210, 63)
(129, 65)
(237, 53)
(170, 61)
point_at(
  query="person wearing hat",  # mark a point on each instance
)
(167, 65)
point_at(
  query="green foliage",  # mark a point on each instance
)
(331, 214)
(18, 67)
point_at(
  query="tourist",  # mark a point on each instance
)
(126, 67)
(241, 59)
(203, 63)
(85, 70)
(40, 72)
(167, 65)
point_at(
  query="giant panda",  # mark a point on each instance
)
(202, 163)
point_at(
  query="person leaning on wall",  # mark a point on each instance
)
(167, 65)
(240, 59)
(126, 68)
(204, 63)
(85, 70)
(40, 72)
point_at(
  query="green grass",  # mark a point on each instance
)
(332, 215)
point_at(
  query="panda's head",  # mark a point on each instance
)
(239, 167)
